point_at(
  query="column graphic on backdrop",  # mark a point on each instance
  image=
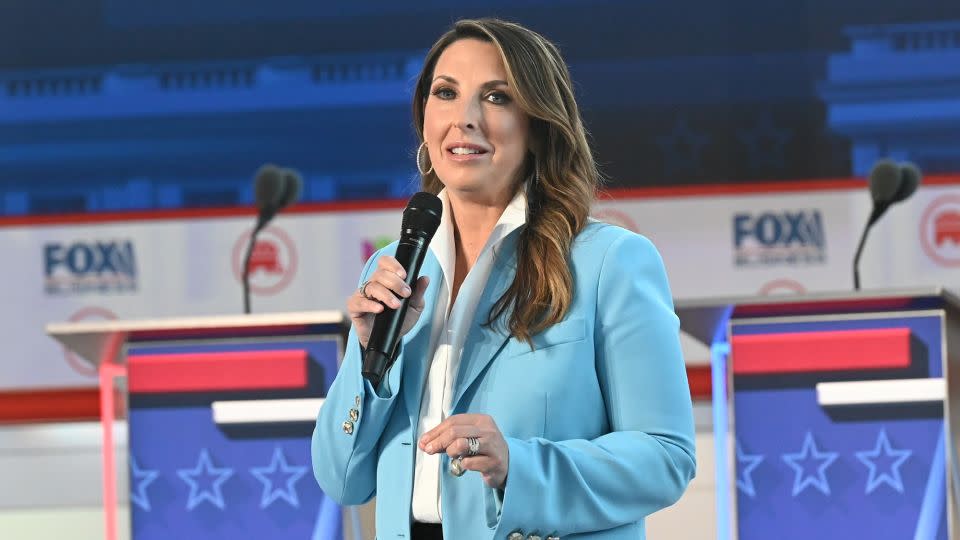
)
(908, 117)
(273, 263)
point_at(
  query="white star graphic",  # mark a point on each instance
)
(292, 474)
(141, 478)
(765, 143)
(807, 455)
(681, 149)
(884, 452)
(747, 463)
(205, 469)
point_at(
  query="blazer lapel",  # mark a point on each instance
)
(484, 342)
(417, 350)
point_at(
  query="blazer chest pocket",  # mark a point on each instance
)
(566, 331)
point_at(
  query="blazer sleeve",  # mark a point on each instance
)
(647, 459)
(345, 455)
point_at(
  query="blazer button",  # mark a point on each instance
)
(356, 400)
(534, 537)
(354, 415)
(516, 535)
(348, 427)
(553, 537)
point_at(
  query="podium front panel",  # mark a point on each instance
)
(219, 436)
(839, 426)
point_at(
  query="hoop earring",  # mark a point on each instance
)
(419, 160)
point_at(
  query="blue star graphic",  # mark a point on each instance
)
(765, 143)
(205, 481)
(681, 149)
(747, 463)
(807, 459)
(890, 460)
(279, 472)
(141, 479)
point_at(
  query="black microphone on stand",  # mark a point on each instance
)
(890, 183)
(292, 187)
(274, 188)
(420, 221)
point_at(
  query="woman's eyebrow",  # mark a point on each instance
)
(488, 84)
(447, 78)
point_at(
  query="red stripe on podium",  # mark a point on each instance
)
(797, 308)
(804, 352)
(49, 405)
(700, 379)
(218, 371)
(83, 404)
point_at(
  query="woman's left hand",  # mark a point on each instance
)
(493, 457)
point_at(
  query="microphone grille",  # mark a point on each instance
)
(885, 179)
(293, 186)
(910, 179)
(268, 186)
(423, 213)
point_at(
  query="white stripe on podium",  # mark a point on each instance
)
(882, 392)
(259, 411)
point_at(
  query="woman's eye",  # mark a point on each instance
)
(444, 93)
(498, 98)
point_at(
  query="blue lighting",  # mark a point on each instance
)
(719, 352)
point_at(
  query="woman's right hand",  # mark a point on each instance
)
(384, 286)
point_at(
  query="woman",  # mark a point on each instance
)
(539, 389)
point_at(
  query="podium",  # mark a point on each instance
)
(220, 411)
(835, 415)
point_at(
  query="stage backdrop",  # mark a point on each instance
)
(181, 263)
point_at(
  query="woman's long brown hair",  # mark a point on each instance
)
(561, 174)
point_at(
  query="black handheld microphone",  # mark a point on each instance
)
(274, 188)
(890, 183)
(420, 221)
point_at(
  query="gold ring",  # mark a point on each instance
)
(456, 466)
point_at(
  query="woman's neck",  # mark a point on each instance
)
(473, 221)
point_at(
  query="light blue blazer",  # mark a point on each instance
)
(597, 418)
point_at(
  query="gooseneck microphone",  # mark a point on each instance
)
(274, 188)
(890, 183)
(420, 221)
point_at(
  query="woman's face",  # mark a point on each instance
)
(475, 131)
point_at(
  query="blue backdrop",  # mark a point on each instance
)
(110, 104)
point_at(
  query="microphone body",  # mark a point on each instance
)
(387, 324)
(274, 189)
(890, 183)
(421, 219)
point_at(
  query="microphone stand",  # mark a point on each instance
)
(261, 222)
(878, 210)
